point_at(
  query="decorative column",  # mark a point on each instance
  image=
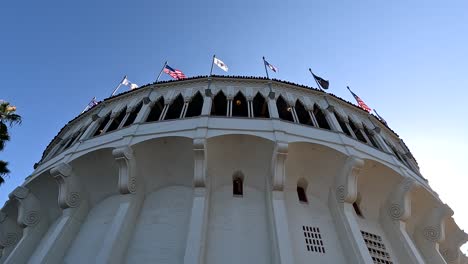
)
(329, 115)
(10, 234)
(207, 101)
(92, 127)
(33, 221)
(281, 227)
(430, 232)
(272, 107)
(127, 114)
(144, 111)
(380, 140)
(394, 215)
(450, 248)
(196, 238)
(111, 120)
(131, 198)
(341, 197)
(74, 205)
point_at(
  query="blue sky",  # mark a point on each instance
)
(407, 59)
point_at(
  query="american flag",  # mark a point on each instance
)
(93, 102)
(360, 101)
(174, 73)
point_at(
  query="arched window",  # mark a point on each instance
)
(356, 131)
(342, 124)
(116, 121)
(175, 108)
(156, 110)
(301, 191)
(132, 116)
(195, 106)
(302, 114)
(357, 210)
(370, 136)
(238, 184)
(260, 106)
(284, 110)
(219, 105)
(102, 125)
(239, 105)
(320, 117)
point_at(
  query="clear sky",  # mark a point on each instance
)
(407, 59)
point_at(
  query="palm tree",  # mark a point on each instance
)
(7, 116)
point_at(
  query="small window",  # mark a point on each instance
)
(174, 110)
(343, 126)
(284, 110)
(356, 209)
(219, 105)
(116, 121)
(238, 184)
(195, 106)
(320, 117)
(357, 131)
(102, 125)
(156, 110)
(239, 105)
(302, 114)
(301, 194)
(131, 118)
(260, 106)
(370, 136)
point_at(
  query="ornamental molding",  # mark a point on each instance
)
(9, 234)
(346, 180)
(399, 203)
(29, 209)
(280, 155)
(70, 193)
(127, 169)
(433, 225)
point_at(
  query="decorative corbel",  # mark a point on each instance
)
(399, 203)
(346, 180)
(70, 195)
(199, 150)
(8, 234)
(29, 207)
(451, 248)
(433, 227)
(127, 169)
(279, 165)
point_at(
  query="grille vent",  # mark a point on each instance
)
(313, 239)
(376, 248)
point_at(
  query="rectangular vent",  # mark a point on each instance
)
(313, 239)
(376, 248)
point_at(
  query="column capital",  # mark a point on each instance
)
(279, 165)
(399, 203)
(127, 169)
(29, 210)
(70, 194)
(433, 226)
(346, 180)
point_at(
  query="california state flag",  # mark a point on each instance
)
(220, 64)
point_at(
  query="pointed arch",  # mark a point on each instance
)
(102, 125)
(132, 116)
(116, 121)
(219, 105)
(303, 114)
(320, 117)
(156, 110)
(284, 110)
(356, 131)
(239, 105)
(174, 110)
(260, 106)
(195, 106)
(342, 123)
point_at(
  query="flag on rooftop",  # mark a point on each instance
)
(93, 102)
(174, 73)
(129, 84)
(360, 101)
(380, 118)
(220, 64)
(320, 81)
(271, 66)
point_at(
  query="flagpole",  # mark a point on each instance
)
(116, 88)
(266, 71)
(212, 62)
(159, 75)
(320, 87)
(87, 106)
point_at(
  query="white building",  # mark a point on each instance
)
(227, 170)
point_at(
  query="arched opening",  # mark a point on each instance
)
(219, 105)
(102, 125)
(356, 204)
(284, 110)
(239, 105)
(72, 140)
(320, 117)
(195, 106)
(301, 191)
(156, 110)
(302, 114)
(116, 121)
(238, 184)
(260, 106)
(132, 116)
(370, 136)
(342, 124)
(175, 108)
(356, 131)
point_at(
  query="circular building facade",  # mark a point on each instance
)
(227, 170)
